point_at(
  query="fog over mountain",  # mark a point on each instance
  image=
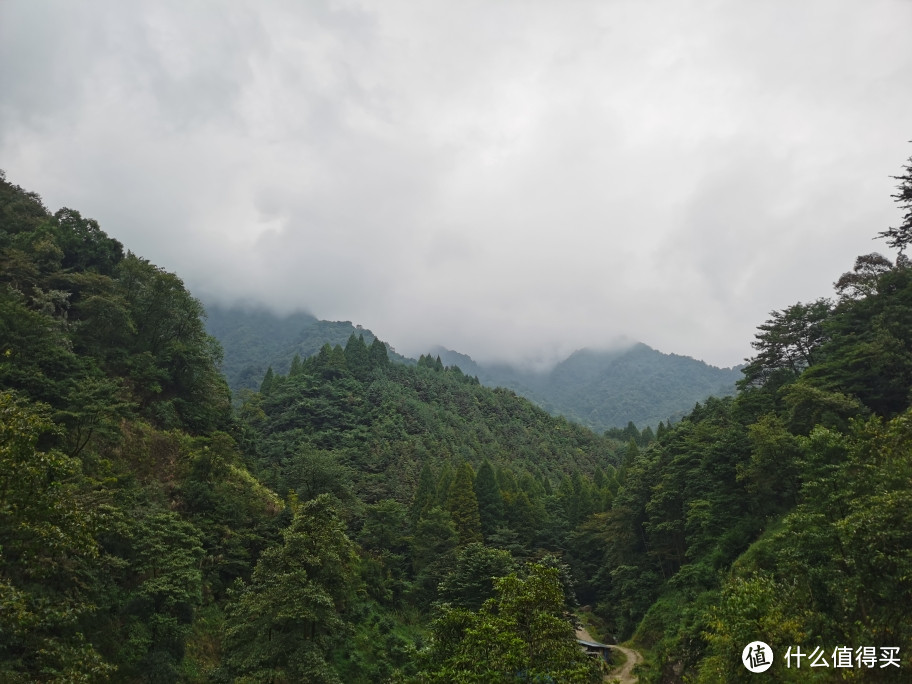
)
(598, 388)
(609, 388)
(511, 179)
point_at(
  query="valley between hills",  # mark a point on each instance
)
(288, 500)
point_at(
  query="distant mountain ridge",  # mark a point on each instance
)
(604, 389)
(598, 389)
(254, 339)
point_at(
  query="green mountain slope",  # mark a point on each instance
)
(605, 389)
(388, 420)
(598, 389)
(149, 532)
(254, 339)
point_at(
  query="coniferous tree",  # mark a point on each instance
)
(647, 436)
(490, 500)
(357, 357)
(268, 380)
(425, 494)
(435, 538)
(444, 480)
(463, 505)
(433, 547)
(521, 633)
(337, 362)
(471, 581)
(901, 236)
(379, 358)
(281, 626)
(633, 452)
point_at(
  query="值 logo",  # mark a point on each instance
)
(757, 656)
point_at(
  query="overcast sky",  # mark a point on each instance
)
(508, 179)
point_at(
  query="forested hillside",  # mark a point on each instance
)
(783, 514)
(253, 339)
(608, 389)
(349, 515)
(352, 519)
(598, 389)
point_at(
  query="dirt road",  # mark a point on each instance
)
(623, 674)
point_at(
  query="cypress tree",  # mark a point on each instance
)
(444, 480)
(283, 623)
(268, 381)
(647, 436)
(331, 362)
(506, 481)
(377, 354)
(569, 497)
(323, 357)
(357, 357)
(633, 452)
(463, 505)
(490, 500)
(424, 494)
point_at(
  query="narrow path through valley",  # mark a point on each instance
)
(623, 674)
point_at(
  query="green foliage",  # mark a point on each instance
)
(131, 500)
(804, 451)
(310, 472)
(605, 390)
(869, 354)
(425, 494)
(751, 608)
(521, 634)
(900, 236)
(282, 625)
(788, 343)
(153, 558)
(771, 474)
(385, 537)
(268, 381)
(398, 420)
(84, 246)
(837, 571)
(490, 500)
(97, 573)
(357, 358)
(433, 548)
(171, 362)
(47, 546)
(463, 505)
(863, 280)
(471, 581)
(257, 339)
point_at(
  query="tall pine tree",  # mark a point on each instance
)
(463, 505)
(490, 500)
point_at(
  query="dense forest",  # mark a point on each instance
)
(605, 389)
(253, 339)
(600, 389)
(355, 519)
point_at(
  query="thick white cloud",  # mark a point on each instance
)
(509, 178)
